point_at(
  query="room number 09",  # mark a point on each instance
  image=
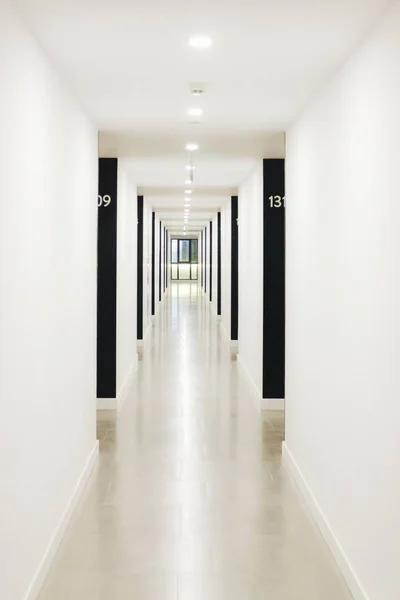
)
(103, 200)
(277, 201)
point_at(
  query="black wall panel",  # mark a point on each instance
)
(140, 268)
(107, 278)
(274, 279)
(234, 269)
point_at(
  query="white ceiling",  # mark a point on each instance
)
(129, 63)
(211, 172)
(161, 181)
(202, 210)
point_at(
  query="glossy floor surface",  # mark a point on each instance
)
(190, 499)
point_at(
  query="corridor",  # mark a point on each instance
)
(190, 499)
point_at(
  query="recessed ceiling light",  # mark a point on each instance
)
(188, 192)
(188, 182)
(191, 147)
(190, 168)
(195, 112)
(200, 42)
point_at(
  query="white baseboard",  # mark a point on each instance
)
(106, 404)
(273, 404)
(255, 393)
(56, 540)
(260, 402)
(123, 393)
(141, 344)
(118, 402)
(234, 344)
(224, 331)
(323, 525)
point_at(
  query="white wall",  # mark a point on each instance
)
(48, 257)
(202, 270)
(250, 206)
(126, 277)
(226, 245)
(147, 233)
(157, 261)
(168, 258)
(199, 260)
(157, 271)
(206, 248)
(214, 306)
(343, 326)
(208, 260)
(211, 273)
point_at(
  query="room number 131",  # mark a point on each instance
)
(277, 201)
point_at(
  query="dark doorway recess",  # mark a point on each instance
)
(234, 269)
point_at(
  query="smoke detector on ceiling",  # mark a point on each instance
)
(197, 89)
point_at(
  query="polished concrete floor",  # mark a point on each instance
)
(190, 499)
